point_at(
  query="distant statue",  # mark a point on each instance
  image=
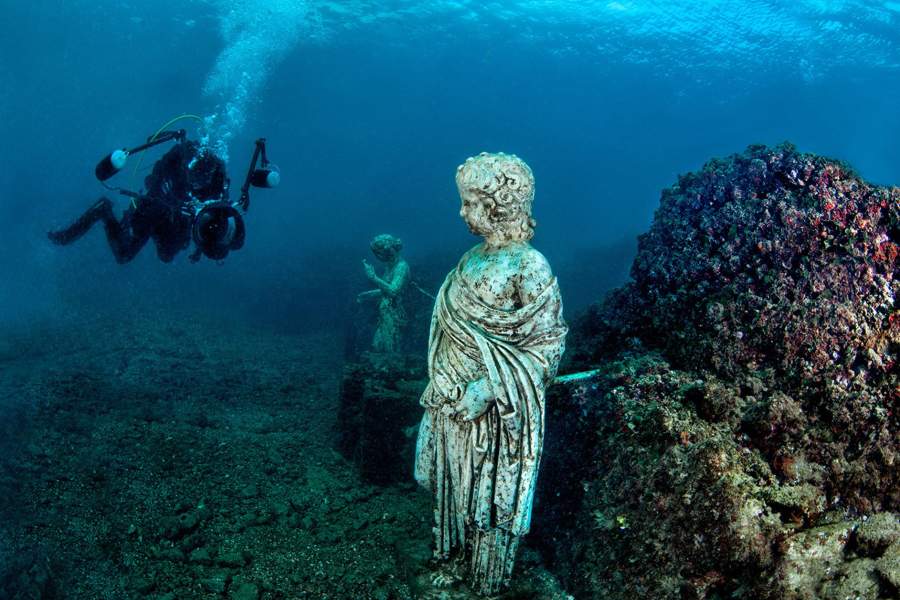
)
(497, 335)
(389, 291)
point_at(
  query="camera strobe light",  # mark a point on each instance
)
(111, 164)
(267, 177)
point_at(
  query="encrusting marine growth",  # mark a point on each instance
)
(741, 437)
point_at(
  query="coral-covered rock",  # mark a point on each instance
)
(856, 579)
(777, 271)
(674, 505)
(745, 401)
(889, 567)
(878, 532)
(809, 557)
(776, 259)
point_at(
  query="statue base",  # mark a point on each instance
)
(379, 415)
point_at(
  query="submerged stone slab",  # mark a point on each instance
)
(378, 416)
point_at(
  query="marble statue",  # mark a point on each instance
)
(389, 288)
(497, 335)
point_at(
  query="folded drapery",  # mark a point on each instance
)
(483, 472)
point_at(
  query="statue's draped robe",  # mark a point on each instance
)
(391, 313)
(483, 472)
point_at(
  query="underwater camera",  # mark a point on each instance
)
(218, 229)
(218, 225)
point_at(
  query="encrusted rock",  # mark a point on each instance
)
(744, 399)
(200, 556)
(217, 582)
(809, 558)
(245, 591)
(878, 532)
(856, 580)
(797, 503)
(889, 566)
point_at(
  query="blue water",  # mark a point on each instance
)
(369, 106)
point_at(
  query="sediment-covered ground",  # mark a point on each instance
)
(160, 457)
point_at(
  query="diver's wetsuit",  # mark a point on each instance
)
(161, 213)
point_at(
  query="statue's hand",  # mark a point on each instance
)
(476, 400)
(370, 270)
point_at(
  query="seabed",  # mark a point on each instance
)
(160, 457)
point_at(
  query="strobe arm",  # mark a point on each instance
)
(266, 176)
(163, 137)
(113, 162)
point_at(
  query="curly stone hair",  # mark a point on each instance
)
(386, 243)
(506, 185)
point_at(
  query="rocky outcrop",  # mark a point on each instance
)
(743, 421)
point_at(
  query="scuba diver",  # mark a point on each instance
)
(186, 199)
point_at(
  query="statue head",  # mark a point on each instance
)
(386, 247)
(496, 192)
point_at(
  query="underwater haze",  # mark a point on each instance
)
(182, 421)
(369, 106)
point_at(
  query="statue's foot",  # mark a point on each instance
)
(446, 577)
(443, 580)
(441, 583)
